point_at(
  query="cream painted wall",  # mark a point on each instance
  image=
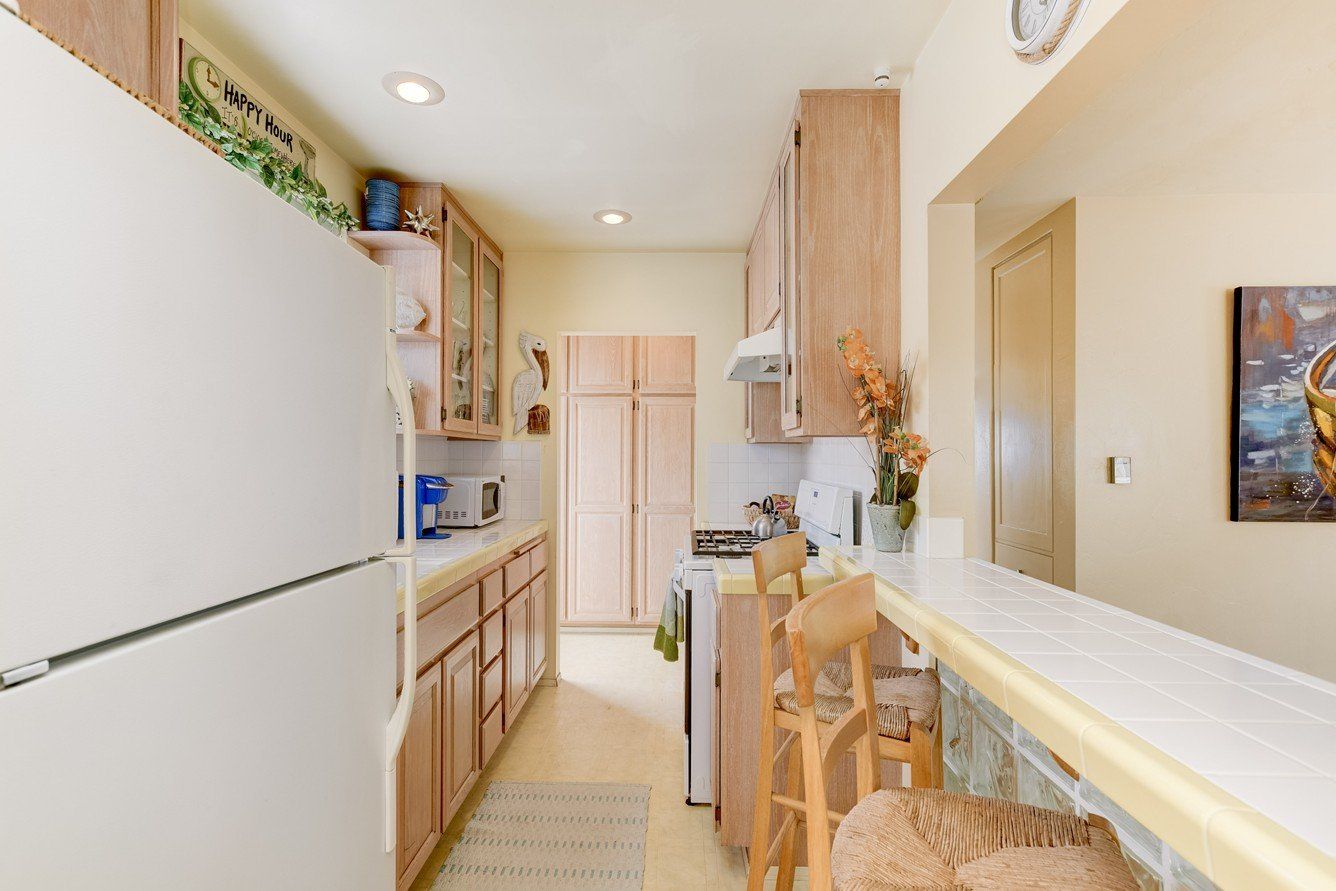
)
(340, 179)
(642, 293)
(1155, 278)
(970, 112)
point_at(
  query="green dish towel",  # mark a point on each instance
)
(672, 627)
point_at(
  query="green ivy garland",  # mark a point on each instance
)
(256, 155)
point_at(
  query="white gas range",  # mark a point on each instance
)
(826, 514)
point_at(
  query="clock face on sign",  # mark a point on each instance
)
(1036, 28)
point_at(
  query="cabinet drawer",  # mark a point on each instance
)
(493, 683)
(493, 631)
(490, 734)
(538, 558)
(493, 592)
(517, 573)
(441, 627)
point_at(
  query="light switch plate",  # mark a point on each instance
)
(1120, 470)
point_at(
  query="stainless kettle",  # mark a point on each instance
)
(768, 524)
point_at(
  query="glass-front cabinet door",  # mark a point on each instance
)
(790, 306)
(489, 328)
(459, 357)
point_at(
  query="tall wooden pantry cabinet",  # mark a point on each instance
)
(630, 473)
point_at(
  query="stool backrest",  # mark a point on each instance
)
(783, 557)
(842, 615)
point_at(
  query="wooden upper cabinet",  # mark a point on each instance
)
(666, 364)
(461, 305)
(453, 357)
(837, 225)
(488, 377)
(135, 40)
(600, 364)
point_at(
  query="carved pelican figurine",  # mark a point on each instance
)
(530, 383)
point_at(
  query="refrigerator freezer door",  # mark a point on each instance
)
(192, 373)
(239, 749)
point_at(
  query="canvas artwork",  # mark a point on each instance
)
(1284, 404)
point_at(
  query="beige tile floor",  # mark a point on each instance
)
(615, 717)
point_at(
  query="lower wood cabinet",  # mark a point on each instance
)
(517, 655)
(419, 777)
(460, 678)
(537, 629)
(479, 656)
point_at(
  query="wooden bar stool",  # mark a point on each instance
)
(905, 721)
(919, 838)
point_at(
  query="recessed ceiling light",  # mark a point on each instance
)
(613, 217)
(412, 88)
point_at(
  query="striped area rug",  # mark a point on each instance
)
(552, 835)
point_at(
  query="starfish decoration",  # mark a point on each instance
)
(420, 221)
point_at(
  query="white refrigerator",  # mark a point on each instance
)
(197, 478)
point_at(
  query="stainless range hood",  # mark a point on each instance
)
(757, 358)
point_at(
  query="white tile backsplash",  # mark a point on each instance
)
(519, 462)
(739, 473)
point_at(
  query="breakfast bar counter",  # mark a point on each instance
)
(1227, 760)
(441, 562)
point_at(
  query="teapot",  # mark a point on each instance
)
(768, 524)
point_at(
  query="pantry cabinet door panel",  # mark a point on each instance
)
(658, 537)
(598, 584)
(599, 489)
(665, 493)
(600, 364)
(666, 364)
(665, 445)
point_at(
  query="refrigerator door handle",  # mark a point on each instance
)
(403, 556)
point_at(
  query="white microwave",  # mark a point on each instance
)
(473, 501)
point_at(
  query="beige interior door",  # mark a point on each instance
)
(1023, 398)
(599, 489)
(665, 483)
(1032, 281)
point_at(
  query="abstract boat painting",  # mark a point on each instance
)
(1284, 447)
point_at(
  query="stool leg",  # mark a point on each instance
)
(938, 775)
(920, 758)
(788, 849)
(765, 779)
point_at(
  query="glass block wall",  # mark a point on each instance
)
(987, 753)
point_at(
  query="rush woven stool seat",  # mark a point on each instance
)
(908, 704)
(919, 838)
(929, 839)
(904, 696)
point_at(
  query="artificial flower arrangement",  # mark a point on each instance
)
(898, 456)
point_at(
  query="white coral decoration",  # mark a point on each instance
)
(408, 313)
(420, 221)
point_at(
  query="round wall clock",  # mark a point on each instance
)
(1037, 28)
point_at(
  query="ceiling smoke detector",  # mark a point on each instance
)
(881, 77)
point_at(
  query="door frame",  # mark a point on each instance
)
(557, 585)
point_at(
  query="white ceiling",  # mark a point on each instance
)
(1243, 102)
(553, 110)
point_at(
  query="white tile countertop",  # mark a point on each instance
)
(1247, 791)
(442, 561)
